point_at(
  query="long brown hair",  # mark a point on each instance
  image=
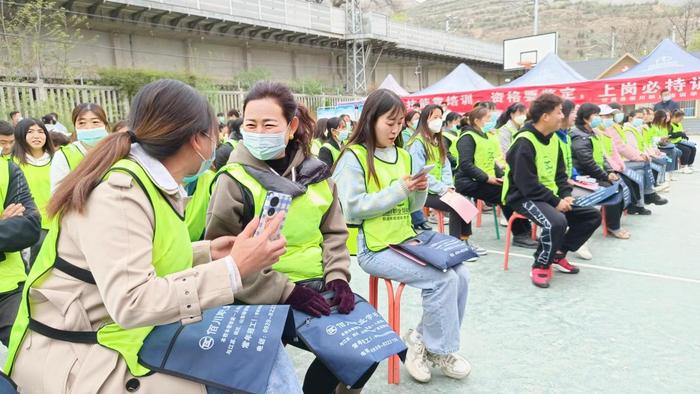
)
(164, 116)
(307, 127)
(378, 103)
(434, 139)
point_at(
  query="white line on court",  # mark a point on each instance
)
(621, 270)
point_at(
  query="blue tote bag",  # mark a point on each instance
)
(439, 250)
(232, 349)
(349, 345)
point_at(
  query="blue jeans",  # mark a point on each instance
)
(283, 378)
(417, 218)
(674, 153)
(644, 169)
(444, 294)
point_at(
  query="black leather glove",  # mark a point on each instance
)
(308, 301)
(343, 297)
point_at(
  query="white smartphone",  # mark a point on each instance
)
(274, 203)
(423, 171)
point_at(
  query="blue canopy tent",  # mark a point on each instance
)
(461, 79)
(666, 58)
(550, 71)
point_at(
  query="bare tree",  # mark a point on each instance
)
(686, 21)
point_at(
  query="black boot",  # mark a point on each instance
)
(635, 210)
(655, 199)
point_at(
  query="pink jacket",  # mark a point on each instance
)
(615, 159)
(629, 150)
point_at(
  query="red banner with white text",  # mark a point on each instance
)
(683, 87)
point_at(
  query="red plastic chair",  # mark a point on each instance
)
(394, 300)
(439, 215)
(605, 226)
(509, 234)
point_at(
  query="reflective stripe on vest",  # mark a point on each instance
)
(335, 153)
(676, 128)
(546, 161)
(39, 182)
(485, 152)
(196, 209)
(394, 226)
(73, 155)
(565, 147)
(432, 156)
(172, 252)
(11, 264)
(304, 257)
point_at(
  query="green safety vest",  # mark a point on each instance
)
(565, 147)
(676, 128)
(598, 147)
(73, 155)
(430, 158)
(621, 132)
(196, 209)
(453, 137)
(232, 143)
(316, 145)
(638, 138)
(546, 161)
(171, 253)
(394, 226)
(11, 264)
(335, 153)
(39, 182)
(304, 257)
(485, 152)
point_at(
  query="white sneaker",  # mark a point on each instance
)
(662, 187)
(686, 170)
(583, 252)
(416, 360)
(477, 249)
(452, 365)
(503, 221)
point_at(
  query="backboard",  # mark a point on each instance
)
(524, 52)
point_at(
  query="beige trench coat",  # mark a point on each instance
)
(113, 240)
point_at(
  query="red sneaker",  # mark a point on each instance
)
(563, 265)
(541, 276)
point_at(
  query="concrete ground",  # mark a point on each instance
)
(628, 323)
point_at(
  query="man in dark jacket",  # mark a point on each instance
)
(19, 229)
(666, 104)
(537, 187)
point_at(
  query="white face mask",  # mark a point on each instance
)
(435, 125)
(666, 98)
(520, 119)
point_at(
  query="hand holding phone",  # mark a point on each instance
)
(423, 171)
(275, 203)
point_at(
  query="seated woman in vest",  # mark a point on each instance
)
(508, 124)
(410, 124)
(659, 160)
(427, 147)
(678, 137)
(118, 259)
(91, 125)
(658, 130)
(382, 204)
(275, 156)
(536, 186)
(478, 176)
(588, 154)
(337, 134)
(32, 152)
(450, 134)
(617, 152)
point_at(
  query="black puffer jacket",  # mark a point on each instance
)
(19, 232)
(582, 155)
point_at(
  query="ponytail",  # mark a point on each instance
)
(72, 193)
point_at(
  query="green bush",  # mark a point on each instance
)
(130, 81)
(246, 79)
(307, 86)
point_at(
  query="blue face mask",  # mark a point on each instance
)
(206, 164)
(343, 135)
(637, 122)
(266, 146)
(608, 123)
(597, 121)
(489, 126)
(91, 136)
(619, 118)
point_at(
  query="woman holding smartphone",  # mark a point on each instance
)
(382, 204)
(275, 156)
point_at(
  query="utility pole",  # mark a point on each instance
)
(612, 44)
(535, 28)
